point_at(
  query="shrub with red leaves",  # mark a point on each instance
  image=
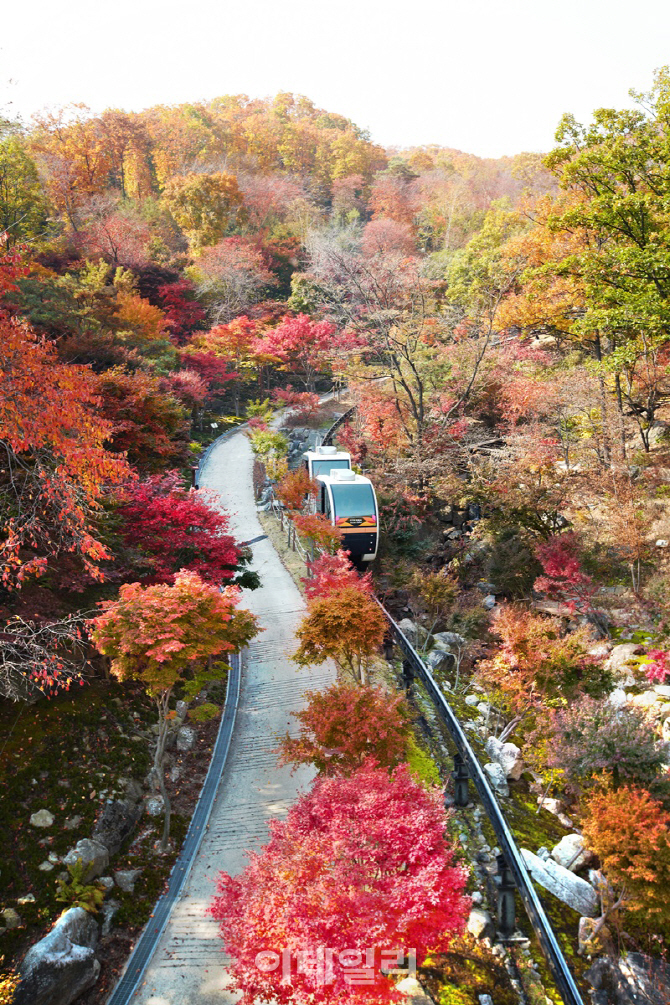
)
(176, 528)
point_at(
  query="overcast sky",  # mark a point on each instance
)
(490, 77)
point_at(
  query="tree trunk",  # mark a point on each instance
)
(157, 770)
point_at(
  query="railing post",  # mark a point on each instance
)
(407, 674)
(506, 904)
(460, 775)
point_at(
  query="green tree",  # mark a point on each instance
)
(22, 203)
(618, 171)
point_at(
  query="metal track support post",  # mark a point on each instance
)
(506, 904)
(460, 775)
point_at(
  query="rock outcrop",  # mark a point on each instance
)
(62, 965)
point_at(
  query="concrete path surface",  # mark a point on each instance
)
(188, 966)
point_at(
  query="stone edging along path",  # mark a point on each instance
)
(188, 965)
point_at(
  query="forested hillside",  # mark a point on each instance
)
(503, 329)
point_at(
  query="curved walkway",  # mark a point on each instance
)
(188, 966)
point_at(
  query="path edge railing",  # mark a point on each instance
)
(148, 939)
(560, 970)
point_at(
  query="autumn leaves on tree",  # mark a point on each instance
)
(362, 859)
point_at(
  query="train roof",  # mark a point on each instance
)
(326, 453)
(343, 477)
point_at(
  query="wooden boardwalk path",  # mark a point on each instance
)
(188, 966)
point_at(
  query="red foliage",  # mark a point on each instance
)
(348, 439)
(188, 387)
(56, 466)
(344, 725)
(119, 239)
(154, 633)
(149, 423)
(535, 661)
(213, 369)
(563, 576)
(384, 235)
(305, 402)
(11, 269)
(658, 670)
(301, 344)
(332, 572)
(361, 863)
(182, 311)
(177, 529)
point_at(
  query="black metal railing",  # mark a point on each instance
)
(413, 664)
(336, 425)
(148, 940)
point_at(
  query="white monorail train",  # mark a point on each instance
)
(348, 500)
(323, 460)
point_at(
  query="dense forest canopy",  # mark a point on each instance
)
(502, 327)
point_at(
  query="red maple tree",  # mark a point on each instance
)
(300, 344)
(332, 572)
(56, 467)
(176, 528)
(360, 866)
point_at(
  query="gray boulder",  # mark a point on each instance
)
(507, 755)
(154, 805)
(451, 642)
(116, 823)
(573, 891)
(60, 967)
(125, 879)
(438, 659)
(630, 980)
(43, 818)
(571, 852)
(497, 778)
(10, 918)
(618, 663)
(409, 630)
(186, 738)
(109, 910)
(479, 923)
(94, 856)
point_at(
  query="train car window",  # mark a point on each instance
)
(325, 466)
(353, 500)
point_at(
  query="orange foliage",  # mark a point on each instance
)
(294, 487)
(147, 321)
(344, 725)
(346, 626)
(630, 833)
(317, 528)
(56, 468)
